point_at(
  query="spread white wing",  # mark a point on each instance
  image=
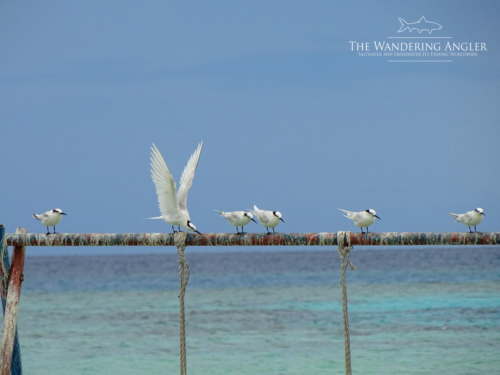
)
(165, 184)
(187, 178)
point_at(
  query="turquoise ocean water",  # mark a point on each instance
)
(418, 311)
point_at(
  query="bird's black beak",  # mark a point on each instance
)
(62, 213)
(378, 217)
(198, 233)
(282, 219)
(482, 213)
(253, 220)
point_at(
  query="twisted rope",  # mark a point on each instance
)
(180, 243)
(344, 253)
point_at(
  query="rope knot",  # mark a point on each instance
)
(345, 251)
(180, 243)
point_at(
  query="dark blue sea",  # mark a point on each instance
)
(411, 311)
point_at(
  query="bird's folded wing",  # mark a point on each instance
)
(187, 178)
(264, 219)
(164, 182)
(233, 216)
(467, 216)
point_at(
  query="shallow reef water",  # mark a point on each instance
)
(417, 311)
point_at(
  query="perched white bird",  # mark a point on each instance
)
(50, 218)
(237, 218)
(268, 219)
(173, 204)
(469, 219)
(362, 219)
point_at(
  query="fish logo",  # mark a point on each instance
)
(421, 25)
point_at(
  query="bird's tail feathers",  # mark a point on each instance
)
(153, 218)
(219, 211)
(455, 216)
(35, 216)
(347, 212)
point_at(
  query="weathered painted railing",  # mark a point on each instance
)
(181, 240)
(253, 239)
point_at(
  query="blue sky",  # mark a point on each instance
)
(291, 118)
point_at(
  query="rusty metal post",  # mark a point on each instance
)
(180, 243)
(11, 353)
(15, 367)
